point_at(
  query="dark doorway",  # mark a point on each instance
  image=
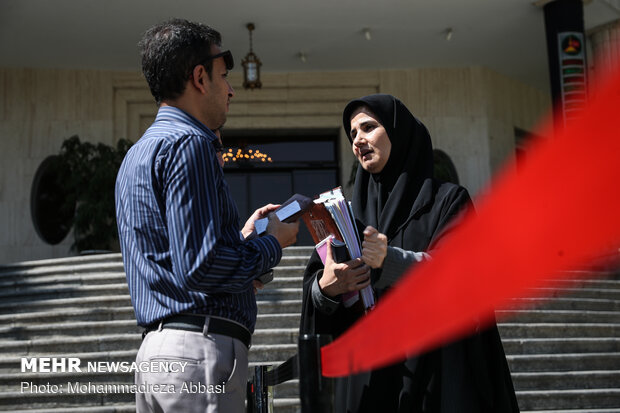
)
(265, 167)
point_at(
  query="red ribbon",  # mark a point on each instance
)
(556, 213)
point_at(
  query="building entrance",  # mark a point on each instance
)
(268, 167)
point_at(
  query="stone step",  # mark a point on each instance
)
(282, 294)
(276, 336)
(25, 330)
(80, 344)
(113, 341)
(561, 345)
(568, 399)
(39, 391)
(575, 292)
(289, 389)
(17, 400)
(563, 362)
(558, 330)
(70, 314)
(29, 331)
(55, 305)
(111, 408)
(104, 262)
(527, 399)
(557, 316)
(287, 405)
(22, 332)
(270, 354)
(11, 364)
(27, 296)
(588, 279)
(30, 381)
(75, 260)
(566, 303)
(289, 271)
(12, 374)
(73, 314)
(298, 261)
(17, 285)
(278, 306)
(292, 290)
(53, 301)
(280, 320)
(14, 382)
(595, 379)
(280, 282)
(60, 271)
(266, 297)
(568, 344)
(293, 251)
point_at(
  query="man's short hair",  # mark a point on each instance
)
(170, 51)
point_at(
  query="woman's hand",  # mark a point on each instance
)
(344, 277)
(374, 247)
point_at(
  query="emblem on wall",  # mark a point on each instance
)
(573, 80)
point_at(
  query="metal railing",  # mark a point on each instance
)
(316, 392)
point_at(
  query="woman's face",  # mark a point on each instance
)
(371, 144)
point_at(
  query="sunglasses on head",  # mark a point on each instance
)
(228, 59)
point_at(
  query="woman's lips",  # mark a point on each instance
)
(365, 154)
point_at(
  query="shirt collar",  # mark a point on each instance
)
(172, 113)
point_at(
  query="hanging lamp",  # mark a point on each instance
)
(251, 66)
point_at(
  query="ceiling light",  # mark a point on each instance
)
(251, 66)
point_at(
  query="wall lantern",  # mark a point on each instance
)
(251, 66)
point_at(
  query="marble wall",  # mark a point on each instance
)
(470, 112)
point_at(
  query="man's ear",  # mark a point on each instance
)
(199, 78)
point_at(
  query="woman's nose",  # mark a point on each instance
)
(358, 140)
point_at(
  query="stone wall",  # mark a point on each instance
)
(470, 112)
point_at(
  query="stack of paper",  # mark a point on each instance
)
(340, 223)
(330, 215)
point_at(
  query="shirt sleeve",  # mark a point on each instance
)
(396, 263)
(205, 255)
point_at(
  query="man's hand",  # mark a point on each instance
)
(286, 234)
(257, 286)
(374, 247)
(345, 277)
(248, 228)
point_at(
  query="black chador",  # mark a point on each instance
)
(415, 211)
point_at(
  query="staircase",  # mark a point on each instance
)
(564, 354)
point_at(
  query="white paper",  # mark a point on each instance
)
(261, 225)
(288, 211)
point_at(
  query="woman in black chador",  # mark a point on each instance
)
(403, 213)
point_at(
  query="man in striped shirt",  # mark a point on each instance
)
(191, 271)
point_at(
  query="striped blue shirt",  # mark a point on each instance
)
(179, 227)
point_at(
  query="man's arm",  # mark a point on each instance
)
(207, 255)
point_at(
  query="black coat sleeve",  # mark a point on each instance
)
(312, 320)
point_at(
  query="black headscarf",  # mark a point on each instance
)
(387, 200)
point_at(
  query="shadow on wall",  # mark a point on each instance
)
(75, 189)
